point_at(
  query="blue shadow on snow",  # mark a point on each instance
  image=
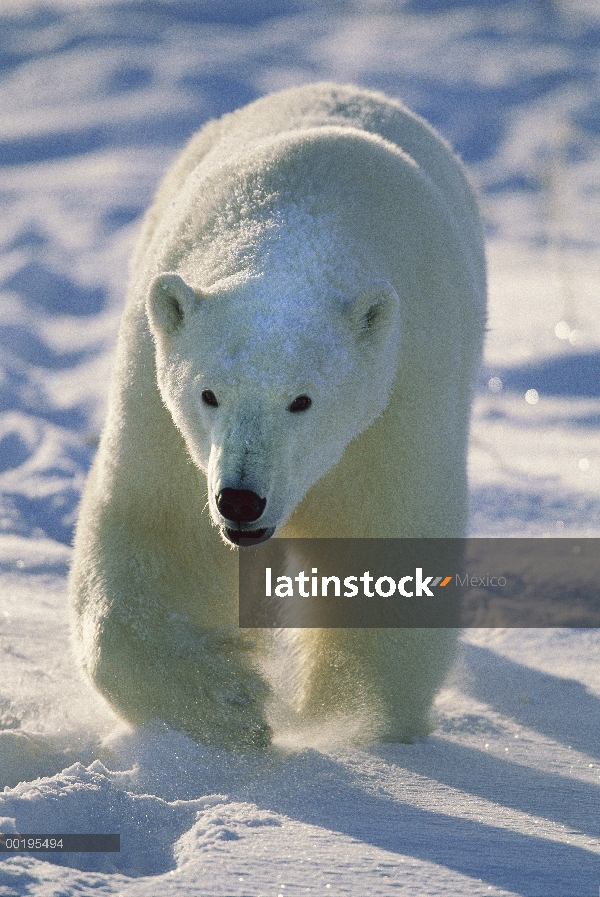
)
(574, 375)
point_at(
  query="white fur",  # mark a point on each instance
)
(322, 241)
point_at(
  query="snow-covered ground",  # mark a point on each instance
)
(504, 798)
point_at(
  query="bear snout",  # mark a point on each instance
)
(240, 505)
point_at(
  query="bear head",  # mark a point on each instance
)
(268, 394)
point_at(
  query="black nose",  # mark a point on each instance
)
(240, 505)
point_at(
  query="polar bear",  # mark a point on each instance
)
(296, 359)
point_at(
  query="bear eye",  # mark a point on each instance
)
(300, 403)
(209, 398)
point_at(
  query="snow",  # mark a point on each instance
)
(503, 798)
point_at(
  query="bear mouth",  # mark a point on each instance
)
(246, 538)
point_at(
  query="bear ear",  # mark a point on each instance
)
(375, 310)
(170, 302)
